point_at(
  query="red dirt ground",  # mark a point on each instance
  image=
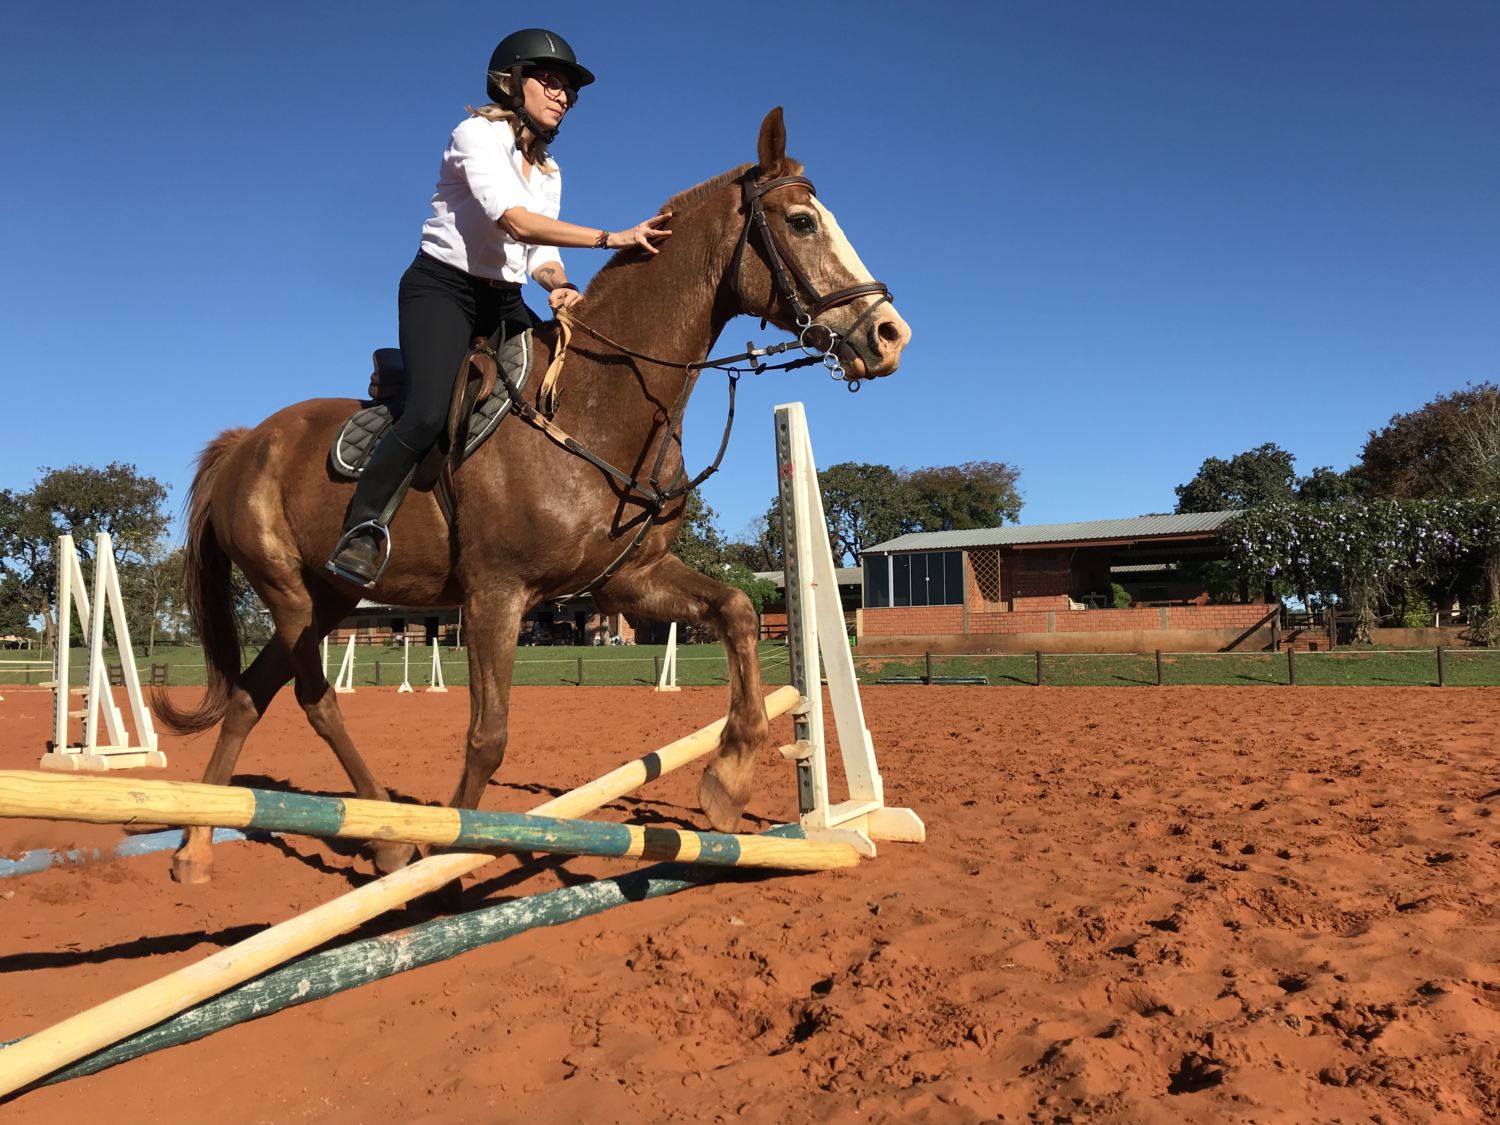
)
(1229, 904)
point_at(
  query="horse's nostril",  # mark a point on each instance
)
(888, 332)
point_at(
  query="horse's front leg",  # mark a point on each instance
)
(492, 621)
(670, 590)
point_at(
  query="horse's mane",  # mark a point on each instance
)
(685, 201)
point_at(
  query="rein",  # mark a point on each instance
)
(784, 270)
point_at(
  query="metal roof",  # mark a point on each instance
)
(1140, 527)
(845, 575)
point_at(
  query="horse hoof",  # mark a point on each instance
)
(391, 857)
(721, 803)
(192, 872)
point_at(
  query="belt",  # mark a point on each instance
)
(499, 284)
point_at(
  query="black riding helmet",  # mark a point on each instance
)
(534, 46)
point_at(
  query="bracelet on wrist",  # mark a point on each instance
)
(602, 242)
(566, 285)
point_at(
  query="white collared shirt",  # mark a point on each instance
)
(482, 177)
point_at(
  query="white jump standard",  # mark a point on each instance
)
(118, 752)
(815, 624)
(435, 681)
(344, 685)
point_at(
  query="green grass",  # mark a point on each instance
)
(698, 665)
(627, 665)
(1346, 668)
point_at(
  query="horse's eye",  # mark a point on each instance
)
(803, 224)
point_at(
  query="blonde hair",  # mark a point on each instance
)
(536, 151)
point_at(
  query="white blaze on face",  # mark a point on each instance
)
(843, 253)
(877, 348)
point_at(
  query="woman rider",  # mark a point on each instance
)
(494, 222)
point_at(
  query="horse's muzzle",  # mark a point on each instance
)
(875, 350)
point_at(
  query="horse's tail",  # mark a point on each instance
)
(209, 592)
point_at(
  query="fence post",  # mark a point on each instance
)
(928, 680)
(1291, 666)
(656, 679)
(1038, 667)
(377, 673)
(580, 671)
(1442, 679)
(1158, 667)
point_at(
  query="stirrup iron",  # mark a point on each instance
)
(345, 539)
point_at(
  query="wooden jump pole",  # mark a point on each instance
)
(320, 975)
(89, 1031)
(179, 804)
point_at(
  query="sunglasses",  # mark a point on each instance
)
(555, 83)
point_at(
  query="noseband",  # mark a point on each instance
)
(787, 276)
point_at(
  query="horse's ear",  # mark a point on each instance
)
(771, 150)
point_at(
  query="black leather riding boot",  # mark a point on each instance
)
(381, 488)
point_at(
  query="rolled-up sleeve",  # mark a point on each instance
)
(537, 256)
(475, 153)
(551, 207)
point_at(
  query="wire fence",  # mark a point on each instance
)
(1432, 667)
(705, 665)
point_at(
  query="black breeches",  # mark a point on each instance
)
(442, 309)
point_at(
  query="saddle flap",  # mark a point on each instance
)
(356, 438)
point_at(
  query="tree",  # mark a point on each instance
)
(741, 577)
(699, 541)
(27, 539)
(1326, 485)
(1263, 475)
(1374, 554)
(1448, 448)
(80, 500)
(756, 548)
(15, 617)
(152, 595)
(701, 545)
(864, 505)
(961, 497)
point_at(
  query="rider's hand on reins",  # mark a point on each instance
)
(641, 234)
(562, 297)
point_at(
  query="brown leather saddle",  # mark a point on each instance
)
(480, 402)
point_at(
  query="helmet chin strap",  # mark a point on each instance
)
(518, 105)
(546, 135)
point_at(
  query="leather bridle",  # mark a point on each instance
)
(788, 276)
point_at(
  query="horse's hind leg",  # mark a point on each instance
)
(257, 685)
(320, 704)
(670, 590)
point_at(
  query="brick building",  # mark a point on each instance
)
(1049, 587)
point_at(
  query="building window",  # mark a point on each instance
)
(877, 580)
(917, 579)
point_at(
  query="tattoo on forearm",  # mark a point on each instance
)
(547, 276)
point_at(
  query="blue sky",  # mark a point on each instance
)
(1127, 236)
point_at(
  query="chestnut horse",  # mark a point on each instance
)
(533, 520)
